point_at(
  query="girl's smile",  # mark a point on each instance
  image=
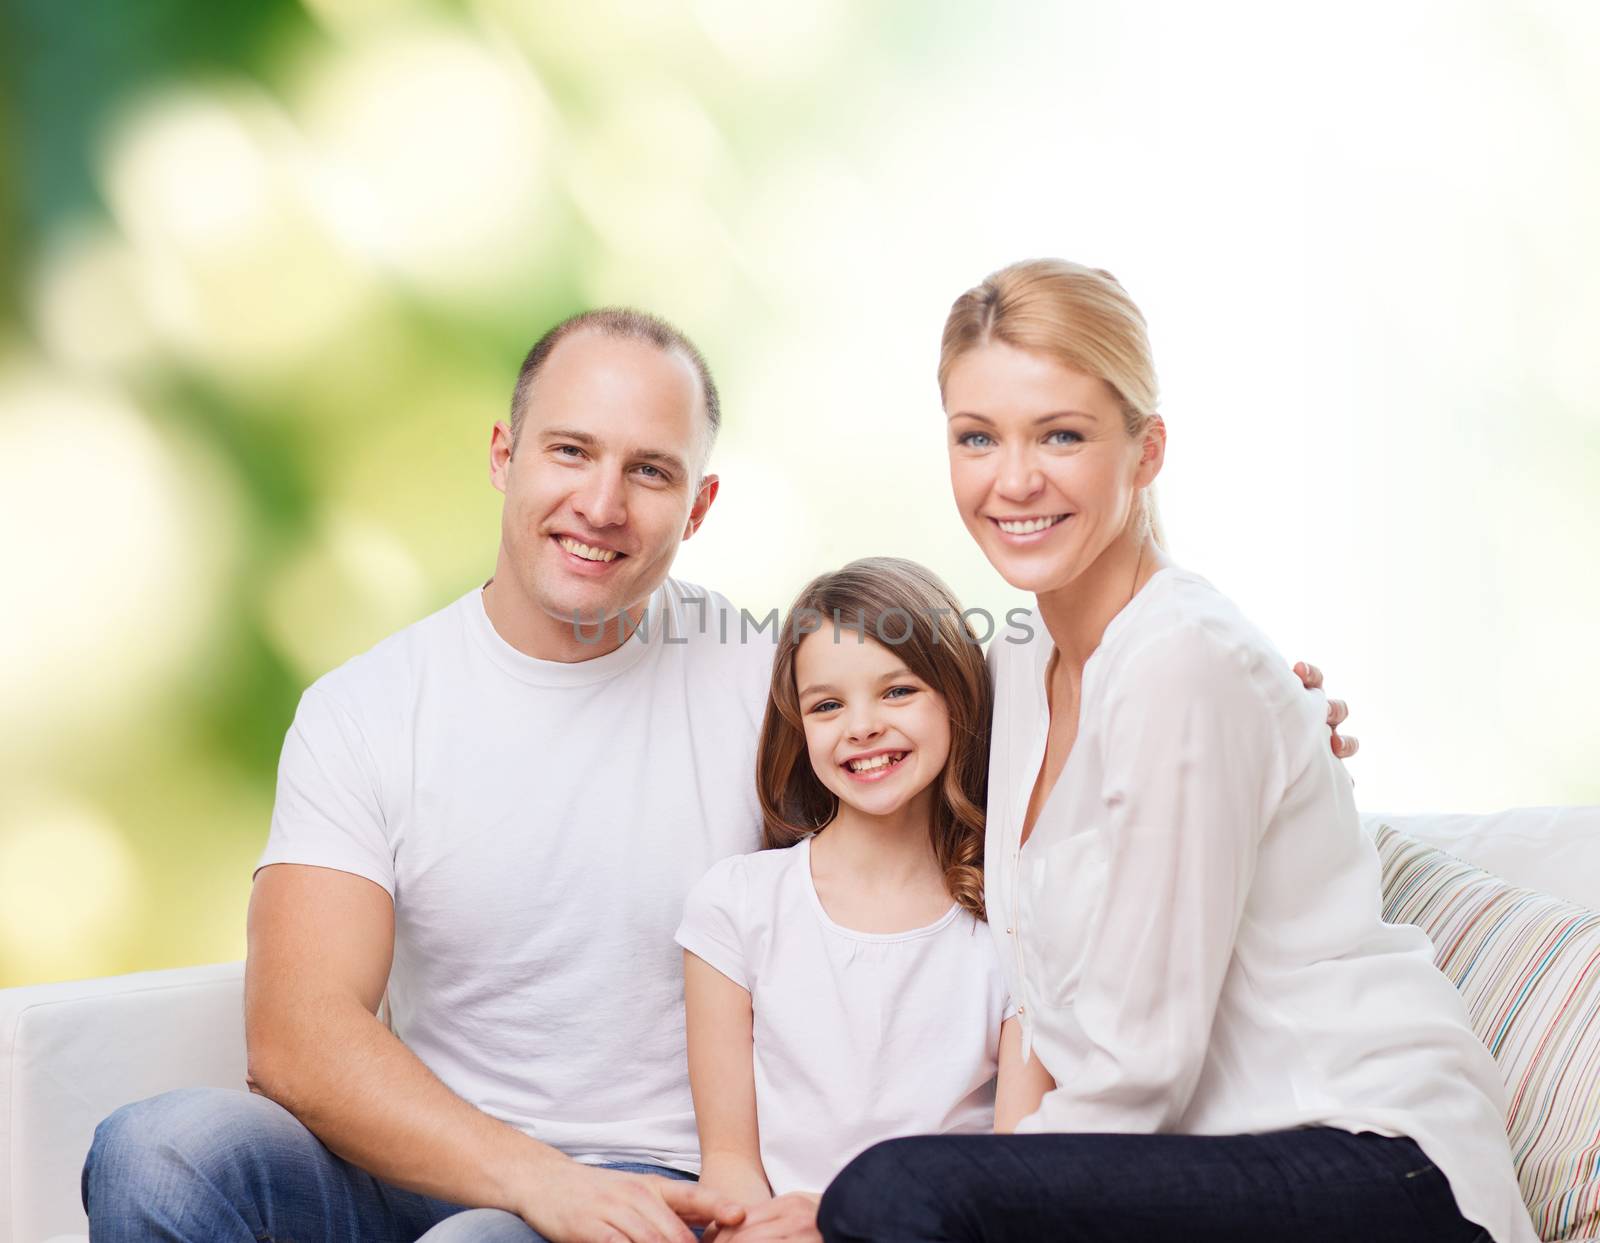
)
(875, 765)
(876, 734)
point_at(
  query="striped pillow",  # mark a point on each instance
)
(1528, 967)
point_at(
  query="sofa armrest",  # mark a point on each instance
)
(72, 1053)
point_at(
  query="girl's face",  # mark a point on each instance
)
(1044, 471)
(877, 735)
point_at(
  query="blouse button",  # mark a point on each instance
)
(1008, 932)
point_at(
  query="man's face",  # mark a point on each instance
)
(603, 482)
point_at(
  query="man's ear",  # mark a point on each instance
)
(704, 495)
(500, 449)
(1152, 451)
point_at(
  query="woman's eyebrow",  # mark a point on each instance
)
(1038, 419)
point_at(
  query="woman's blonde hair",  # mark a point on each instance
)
(905, 606)
(1080, 317)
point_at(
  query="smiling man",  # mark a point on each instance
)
(493, 817)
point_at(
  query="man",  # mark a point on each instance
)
(492, 817)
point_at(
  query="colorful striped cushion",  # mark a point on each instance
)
(1528, 966)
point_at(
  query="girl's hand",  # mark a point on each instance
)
(790, 1218)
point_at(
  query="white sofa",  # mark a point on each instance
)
(71, 1053)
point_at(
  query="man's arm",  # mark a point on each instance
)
(320, 946)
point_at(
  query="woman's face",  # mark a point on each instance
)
(876, 734)
(1044, 471)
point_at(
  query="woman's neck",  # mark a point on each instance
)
(1077, 614)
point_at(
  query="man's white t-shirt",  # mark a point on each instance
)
(858, 1036)
(537, 825)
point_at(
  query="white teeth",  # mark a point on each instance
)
(1028, 525)
(584, 551)
(875, 762)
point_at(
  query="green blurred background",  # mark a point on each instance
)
(269, 269)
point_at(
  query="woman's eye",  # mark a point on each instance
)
(975, 440)
(1068, 437)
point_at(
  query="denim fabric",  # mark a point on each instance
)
(215, 1166)
(1315, 1185)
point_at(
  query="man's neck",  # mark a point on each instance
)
(537, 633)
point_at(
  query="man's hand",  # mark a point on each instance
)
(790, 1218)
(1343, 745)
(576, 1203)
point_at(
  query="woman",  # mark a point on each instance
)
(1184, 901)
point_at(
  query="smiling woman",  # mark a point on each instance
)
(1178, 883)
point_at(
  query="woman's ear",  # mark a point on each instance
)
(1152, 451)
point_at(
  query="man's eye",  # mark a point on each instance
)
(568, 450)
(975, 440)
(652, 472)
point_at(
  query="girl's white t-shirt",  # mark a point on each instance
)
(858, 1036)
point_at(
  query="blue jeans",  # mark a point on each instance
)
(215, 1166)
(1315, 1185)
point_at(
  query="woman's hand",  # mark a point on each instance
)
(790, 1218)
(1344, 746)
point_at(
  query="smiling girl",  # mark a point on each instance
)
(840, 986)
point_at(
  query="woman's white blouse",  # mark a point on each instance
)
(1193, 928)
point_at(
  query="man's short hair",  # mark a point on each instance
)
(625, 323)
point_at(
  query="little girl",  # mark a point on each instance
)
(839, 988)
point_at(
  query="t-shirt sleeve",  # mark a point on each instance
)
(329, 810)
(713, 920)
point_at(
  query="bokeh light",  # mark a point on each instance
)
(271, 268)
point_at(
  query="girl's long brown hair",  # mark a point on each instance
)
(885, 598)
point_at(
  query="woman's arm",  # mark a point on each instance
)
(1020, 1086)
(1194, 767)
(722, 1080)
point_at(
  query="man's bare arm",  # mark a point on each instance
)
(320, 947)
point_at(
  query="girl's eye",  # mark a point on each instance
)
(900, 692)
(826, 705)
(1071, 437)
(975, 440)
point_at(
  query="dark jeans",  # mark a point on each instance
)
(1315, 1185)
(229, 1167)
